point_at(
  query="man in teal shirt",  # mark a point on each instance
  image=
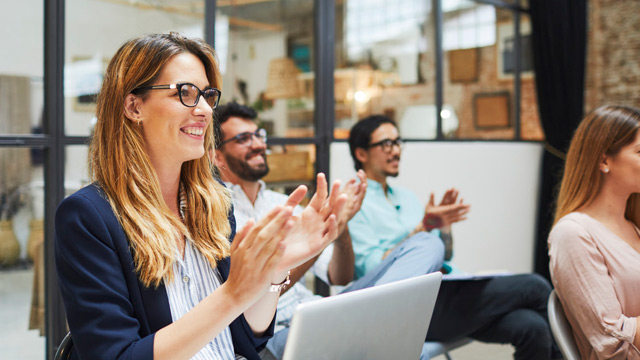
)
(398, 217)
(392, 225)
(392, 217)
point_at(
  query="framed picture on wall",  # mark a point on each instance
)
(505, 48)
(463, 65)
(492, 110)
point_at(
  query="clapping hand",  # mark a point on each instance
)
(355, 192)
(262, 253)
(448, 211)
(256, 252)
(316, 227)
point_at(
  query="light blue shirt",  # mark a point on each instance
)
(383, 221)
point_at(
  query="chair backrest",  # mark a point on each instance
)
(65, 348)
(561, 329)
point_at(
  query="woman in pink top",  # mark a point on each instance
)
(595, 243)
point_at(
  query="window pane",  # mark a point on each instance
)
(270, 63)
(478, 77)
(21, 253)
(531, 128)
(385, 66)
(76, 168)
(96, 29)
(21, 69)
(291, 166)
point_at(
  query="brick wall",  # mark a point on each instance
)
(613, 53)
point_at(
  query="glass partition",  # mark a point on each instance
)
(530, 126)
(96, 29)
(21, 69)
(291, 166)
(22, 297)
(385, 64)
(479, 86)
(268, 62)
(76, 169)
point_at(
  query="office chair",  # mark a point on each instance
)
(65, 348)
(561, 329)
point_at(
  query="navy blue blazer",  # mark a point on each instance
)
(110, 313)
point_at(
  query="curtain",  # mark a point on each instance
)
(559, 36)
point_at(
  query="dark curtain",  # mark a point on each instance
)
(559, 34)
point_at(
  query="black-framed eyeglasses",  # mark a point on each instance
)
(387, 144)
(189, 94)
(246, 138)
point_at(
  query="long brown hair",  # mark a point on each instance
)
(604, 131)
(121, 166)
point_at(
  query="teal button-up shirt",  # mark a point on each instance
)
(383, 221)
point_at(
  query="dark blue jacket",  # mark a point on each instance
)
(110, 313)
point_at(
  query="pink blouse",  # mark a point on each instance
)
(597, 277)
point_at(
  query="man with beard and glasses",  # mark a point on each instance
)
(503, 309)
(240, 157)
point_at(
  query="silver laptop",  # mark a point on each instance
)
(383, 322)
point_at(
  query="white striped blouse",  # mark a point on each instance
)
(193, 280)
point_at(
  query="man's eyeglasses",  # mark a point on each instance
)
(387, 144)
(189, 94)
(246, 138)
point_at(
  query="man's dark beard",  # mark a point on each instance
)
(245, 172)
(395, 174)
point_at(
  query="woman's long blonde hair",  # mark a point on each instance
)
(120, 165)
(604, 131)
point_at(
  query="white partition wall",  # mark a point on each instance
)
(499, 179)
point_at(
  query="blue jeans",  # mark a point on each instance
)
(420, 254)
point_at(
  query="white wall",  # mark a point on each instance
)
(499, 179)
